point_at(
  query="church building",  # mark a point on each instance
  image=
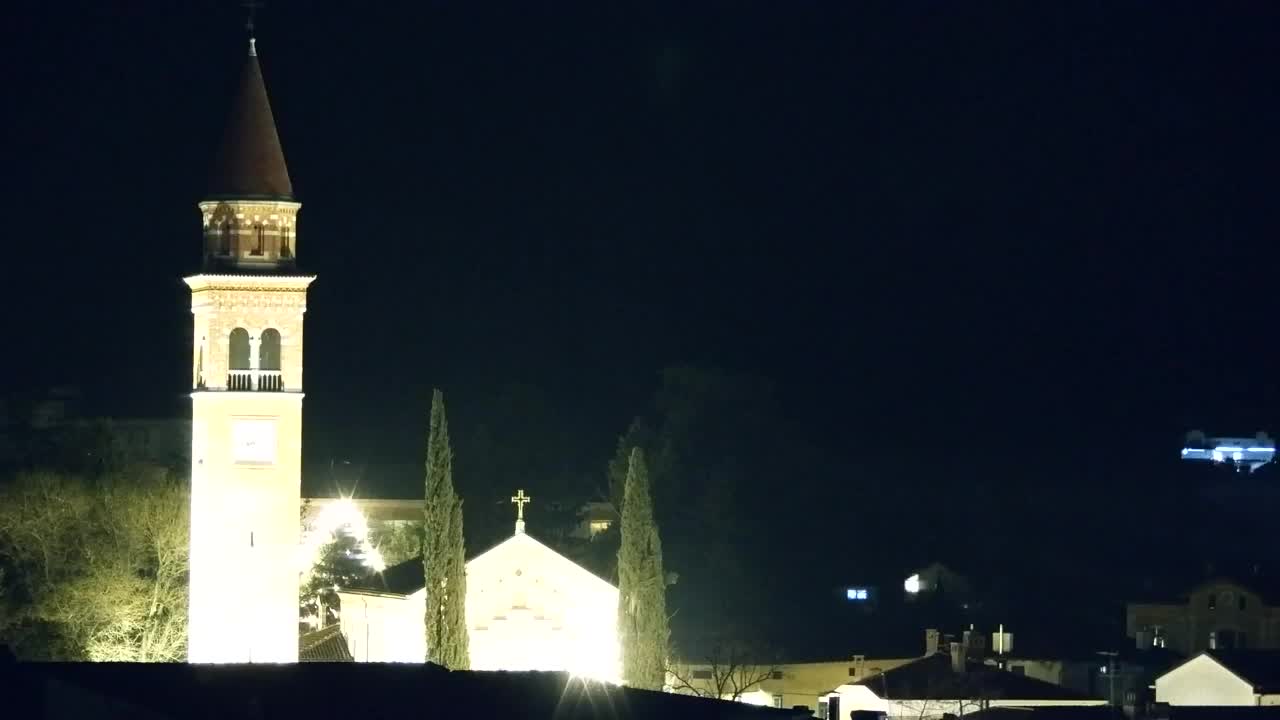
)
(247, 304)
(527, 607)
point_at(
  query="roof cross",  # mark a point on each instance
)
(520, 500)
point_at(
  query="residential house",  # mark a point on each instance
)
(945, 683)
(1223, 678)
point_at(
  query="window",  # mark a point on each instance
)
(853, 672)
(224, 239)
(777, 701)
(598, 526)
(284, 242)
(259, 234)
(1213, 641)
(1213, 601)
(701, 674)
(238, 349)
(776, 675)
(1242, 602)
(822, 710)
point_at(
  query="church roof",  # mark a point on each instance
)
(250, 164)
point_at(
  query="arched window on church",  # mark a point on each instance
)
(284, 242)
(259, 241)
(269, 377)
(239, 376)
(224, 238)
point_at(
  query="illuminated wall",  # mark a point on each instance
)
(528, 608)
(1202, 680)
(245, 476)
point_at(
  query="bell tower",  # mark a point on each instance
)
(246, 380)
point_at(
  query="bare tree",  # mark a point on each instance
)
(102, 563)
(729, 670)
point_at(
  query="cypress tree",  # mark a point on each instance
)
(443, 554)
(642, 604)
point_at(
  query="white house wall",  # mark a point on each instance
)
(1203, 681)
(384, 628)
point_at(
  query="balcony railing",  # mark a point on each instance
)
(255, 380)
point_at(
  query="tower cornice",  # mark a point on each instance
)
(267, 283)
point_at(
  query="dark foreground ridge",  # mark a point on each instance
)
(227, 692)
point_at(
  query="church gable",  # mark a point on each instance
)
(523, 550)
(530, 608)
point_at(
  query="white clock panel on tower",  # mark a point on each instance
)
(254, 441)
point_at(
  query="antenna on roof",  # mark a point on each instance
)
(252, 6)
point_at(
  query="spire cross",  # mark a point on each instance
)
(252, 6)
(520, 500)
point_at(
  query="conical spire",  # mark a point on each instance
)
(250, 164)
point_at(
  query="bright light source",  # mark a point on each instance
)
(912, 584)
(856, 593)
(341, 515)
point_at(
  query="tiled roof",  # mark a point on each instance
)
(324, 645)
(250, 164)
(932, 678)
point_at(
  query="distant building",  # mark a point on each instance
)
(1221, 678)
(936, 579)
(595, 518)
(1220, 614)
(945, 683)
(785, 685)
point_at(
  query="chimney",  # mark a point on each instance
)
(931, 639)
(957, 657)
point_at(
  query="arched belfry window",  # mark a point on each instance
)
(259, 239)
(269, 360)
(284, 242)
(269, 350)
(224, 238)
(239, 377)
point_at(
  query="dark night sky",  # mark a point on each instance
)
(1028, 241)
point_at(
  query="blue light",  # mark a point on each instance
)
(856, 594)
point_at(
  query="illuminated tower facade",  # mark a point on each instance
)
(246, 376)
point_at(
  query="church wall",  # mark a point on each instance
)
(529, 608)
